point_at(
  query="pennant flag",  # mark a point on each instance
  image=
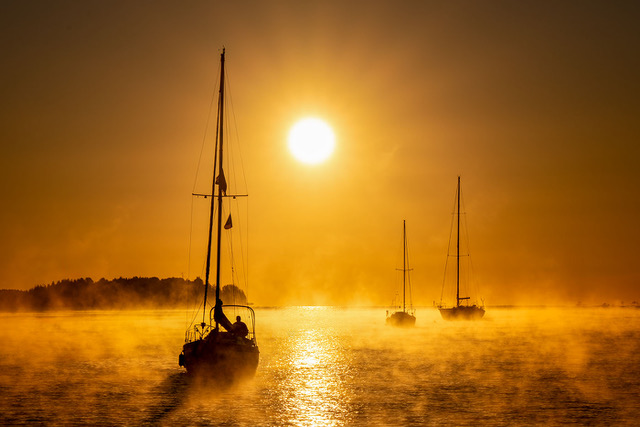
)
(222, 182)
(228, 224)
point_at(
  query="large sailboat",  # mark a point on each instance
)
(404, 317)
(216, 347)
(462, 310)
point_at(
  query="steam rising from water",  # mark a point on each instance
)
(328, 366)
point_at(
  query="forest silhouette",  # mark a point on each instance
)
(116, 294)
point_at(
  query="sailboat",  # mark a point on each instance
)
(460, 311)
(216, 347)
(404, 317)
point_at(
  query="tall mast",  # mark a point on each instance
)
(219, 132)
(404, 264)
(458, 251)
(221, 177)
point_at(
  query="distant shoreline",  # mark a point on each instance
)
(136, 293)
(152, 293)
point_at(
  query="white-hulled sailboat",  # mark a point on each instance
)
(462, 310)
(216, 347)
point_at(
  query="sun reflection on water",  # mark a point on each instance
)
(313, 370)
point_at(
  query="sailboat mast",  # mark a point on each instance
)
(219, 132)
(221, 179)
(458, 251)
(404, 264)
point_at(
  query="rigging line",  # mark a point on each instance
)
(444, 277)
(471, 268)
(231, 253)
(196, 300)
(246, 271)
(196, 308)
(231, 149)
(406, 244)
(410, 293)
(446, 263)
(195, 304)
(400, 273)
(190, 241)
(472, 274)
(195, 311)
(242, 237)
(203, 265)
(235, 121)
(234, 272)
(466, 226)
(235, 278)
(204, 262)
(234, 210)
(237, 150)
(206, 130)
(195, 180)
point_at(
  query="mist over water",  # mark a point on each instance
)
(327, 366)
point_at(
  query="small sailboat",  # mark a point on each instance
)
(404, 317)
(462, 310)
(216, 347)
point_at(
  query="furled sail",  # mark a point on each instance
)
(220, 317)
(222, 182)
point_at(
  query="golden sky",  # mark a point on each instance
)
(536, 105)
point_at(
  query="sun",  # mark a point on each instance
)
(311, 141)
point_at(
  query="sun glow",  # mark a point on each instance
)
(311, 141)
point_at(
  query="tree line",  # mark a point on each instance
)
(116, 294)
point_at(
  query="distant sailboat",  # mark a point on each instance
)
(459, 311)
(404, 317)
(232, 351)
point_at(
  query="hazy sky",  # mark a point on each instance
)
(535, 104)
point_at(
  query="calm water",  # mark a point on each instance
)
(328, 366)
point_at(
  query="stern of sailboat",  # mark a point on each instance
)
(208, 350)
(462, 312)
(401, 318)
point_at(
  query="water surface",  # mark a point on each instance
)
(328, 366)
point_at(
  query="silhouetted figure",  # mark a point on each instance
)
(240, 328)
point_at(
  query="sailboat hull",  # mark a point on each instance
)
(220, 354)
(401, 318)
(472, 312)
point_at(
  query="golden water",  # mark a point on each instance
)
(328, 366)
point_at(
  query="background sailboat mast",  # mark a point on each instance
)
(458, 251)
(404, 264)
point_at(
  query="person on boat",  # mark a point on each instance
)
(240, 328)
